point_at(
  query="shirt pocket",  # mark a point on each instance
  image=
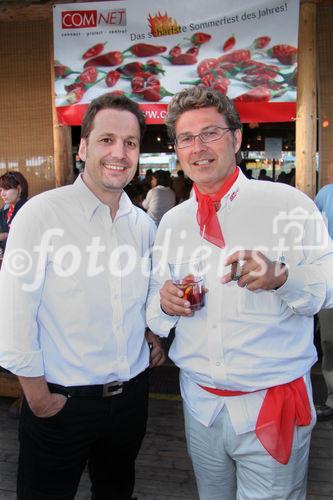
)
(261, 303)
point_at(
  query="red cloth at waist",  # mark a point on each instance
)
(283, 406)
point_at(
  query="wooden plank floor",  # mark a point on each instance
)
(163, 469)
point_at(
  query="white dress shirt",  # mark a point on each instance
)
(158, 201)
(243, 340)
(77, 312)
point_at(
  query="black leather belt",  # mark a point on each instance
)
(96, 391)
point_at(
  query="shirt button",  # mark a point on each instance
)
(214, 326)
(218, 363)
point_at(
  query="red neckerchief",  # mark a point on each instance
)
(284, 406)
(207, 219)
(10, 212)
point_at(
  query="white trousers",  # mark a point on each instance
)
(229, 467)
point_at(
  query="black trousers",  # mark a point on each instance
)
(104, 433)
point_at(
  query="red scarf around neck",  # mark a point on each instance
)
(10, 212)
(207, 219)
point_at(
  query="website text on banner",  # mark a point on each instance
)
(134, 48)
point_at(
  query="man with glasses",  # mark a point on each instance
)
(245, 356)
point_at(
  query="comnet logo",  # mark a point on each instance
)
(73, 19)
(78, 19)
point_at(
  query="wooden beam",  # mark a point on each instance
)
(306, 115)
(9, 386)
(29, 10)
(325, 92)
(62, 137)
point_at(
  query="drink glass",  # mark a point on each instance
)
(188, 277)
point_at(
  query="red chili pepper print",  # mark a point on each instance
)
(146, 50)
(200, 38)
(137, 84)
(175, 51)
(194, 51)
(61, 70)
(75, 95)
(154, 67)
(143, 74)
(149, 88)
(75, 85)
(94, 51)
(221, 85)
(131, 69)
(229, 43)
(285, 54)
(261, 42)
(188, 58)
(153, 80)
(109, 59)
(237, 56)
(216, 82)
(184, 59)
(264, 72)
(205, 66)
(112, 78)
(252, 65)
(155, 93)
(89, 75)
(257, 80)
(259, 94)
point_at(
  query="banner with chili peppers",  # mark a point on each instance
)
(246, 50)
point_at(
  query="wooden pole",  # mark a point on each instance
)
(325, 92)
(306, 115)
(62, 137)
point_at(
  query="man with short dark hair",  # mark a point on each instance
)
(72, 323)
(245, 356)
(324, 201)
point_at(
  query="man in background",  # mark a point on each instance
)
(324, 201)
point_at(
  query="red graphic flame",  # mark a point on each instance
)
(163, 25)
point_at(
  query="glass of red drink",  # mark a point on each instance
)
(188, 277)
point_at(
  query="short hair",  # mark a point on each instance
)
(197, 97)
(162, 177)
(111, 101)
(13, 180)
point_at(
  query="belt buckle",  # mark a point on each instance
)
(112, 388)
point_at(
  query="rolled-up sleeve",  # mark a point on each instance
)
(309, 286)
(21, 284)
(158, 321)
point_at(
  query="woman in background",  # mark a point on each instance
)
(14, 193)
(161, 197)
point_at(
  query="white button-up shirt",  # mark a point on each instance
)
(73, 288)
(243, 340)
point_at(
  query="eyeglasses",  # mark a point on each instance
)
(210, 134)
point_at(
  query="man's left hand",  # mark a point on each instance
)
(257, 271)
(157, 354)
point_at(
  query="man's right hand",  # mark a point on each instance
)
(49, 407)
(41, 401)
(172, 302)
